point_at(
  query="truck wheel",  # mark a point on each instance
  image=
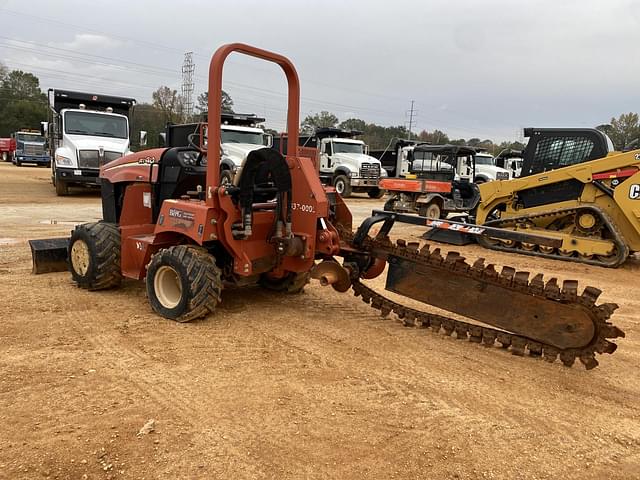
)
(342, 185)
(18, 163)
(94, 255)
(226, 177)
(431, 210)
(62, 188)
(478, 181)
(290, 283)
(183, 283)
(388, 205)
(376, 193)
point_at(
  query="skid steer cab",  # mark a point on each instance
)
(167, 218)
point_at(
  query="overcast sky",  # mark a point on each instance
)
(474, 68)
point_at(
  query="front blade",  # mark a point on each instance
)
(49, 255)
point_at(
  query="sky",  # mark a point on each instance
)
(473, 68)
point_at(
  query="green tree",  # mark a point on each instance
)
(622, 130)
(169, 103)
(353, 124)
(22, 103)
(226, 102)
(151, 120)
(319, 120)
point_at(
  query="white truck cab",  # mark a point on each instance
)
(345, 162)
(85, 131)
(240, 135)
(487, 170)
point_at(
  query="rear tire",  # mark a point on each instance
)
(226, 177)
(431, 210)
(62, 188)
(94, 256)
(376, 193)
(342, 186)
(290, 283)
(183, 283)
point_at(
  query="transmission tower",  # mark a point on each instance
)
(411, 113)
(188, 68)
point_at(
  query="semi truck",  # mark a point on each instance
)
(30, 147)
(240, 134)
(7, 147)
(85, 131)
(343, 161)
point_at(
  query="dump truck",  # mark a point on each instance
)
(343, 161)
(7, 148)
(169, 221)
(30, 147)
(85, 131)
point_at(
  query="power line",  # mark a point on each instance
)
(410, 121)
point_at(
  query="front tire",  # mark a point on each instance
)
(342, 186)
(226, 177)
(290, 283)
(62, 188)
(431, 210)
(94, 256)
(183, 283)
(376, 193)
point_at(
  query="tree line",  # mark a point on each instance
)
(24, 105)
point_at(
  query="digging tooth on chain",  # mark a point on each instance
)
(517, 346)
(413, 246)
(461, 330)
(504, 339)
(475, 334)
(425, 321)
(436, 323)
(552, 290)
(590, 296)
(401, 243)
(506, 275)
(488, 337)
(435, 258)
(569, 290)
(424, 251)
(605, 346)
(588, 359)
(550, 354)
(448, 326)
(521, 280)
(567, 358)
(490, 272)
(537, 284)
(535, 349)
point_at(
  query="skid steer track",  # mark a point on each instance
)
(533, 317)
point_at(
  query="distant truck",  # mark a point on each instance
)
(240, 134)
(397, 158)
(7, 147)
(30, 147)
(487, 170)
(343, 161)
(85, 131)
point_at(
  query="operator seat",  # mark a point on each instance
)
(262, 175)
(175, 177)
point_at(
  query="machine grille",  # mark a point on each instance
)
(34, 150)
(92, 159)
(370, 170)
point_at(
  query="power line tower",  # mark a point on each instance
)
(188, 68)
(411, 114)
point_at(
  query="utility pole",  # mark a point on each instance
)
(410, 121)
(188, 67)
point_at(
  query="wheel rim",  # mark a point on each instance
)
(80, 257)
(546, 249)
(167, 286)
(224, 179)
(433, 211)
(340, 187)
(529, 247)
(565, 253)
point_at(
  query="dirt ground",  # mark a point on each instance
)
(273, 386)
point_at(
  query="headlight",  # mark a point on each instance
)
(383, 172)
(61, 160)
